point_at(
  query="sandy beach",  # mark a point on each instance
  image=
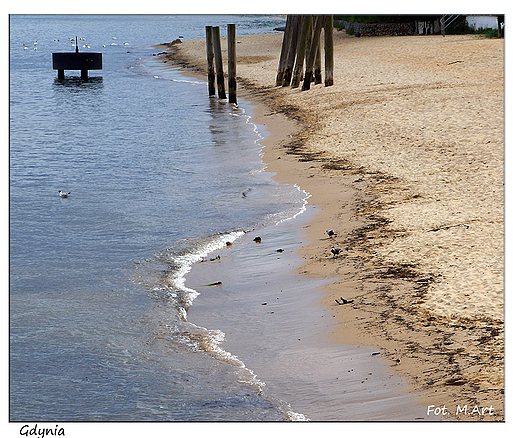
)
(404, 158)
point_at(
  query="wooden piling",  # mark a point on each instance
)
(309, 66)
(232, 63)
(285, 48)
(304, 41)
(329, 51)
(217, 51)
(293, 46)
(308, 50)
(210, 60)
(317, 64)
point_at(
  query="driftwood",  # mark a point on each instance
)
(217, 283)
(344, 301)
(445, 227)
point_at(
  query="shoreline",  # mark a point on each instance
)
(450, 359)
(274, 323)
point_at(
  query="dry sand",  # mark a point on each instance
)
(404, 155)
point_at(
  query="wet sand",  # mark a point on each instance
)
(404, 157)
(276, 325)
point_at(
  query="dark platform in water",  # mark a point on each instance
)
(76, 61)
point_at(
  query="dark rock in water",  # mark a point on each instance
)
(257, 239)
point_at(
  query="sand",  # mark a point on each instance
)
(274, 323)
(404, 157)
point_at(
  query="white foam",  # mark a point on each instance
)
(210, 342)
(186, 261)
(295, 416)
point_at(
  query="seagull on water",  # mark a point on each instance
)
(331, 233)
(63, 194)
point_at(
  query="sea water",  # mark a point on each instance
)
(160, 175)
(112, 316)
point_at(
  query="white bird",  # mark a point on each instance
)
(331, 233)
(63, 194)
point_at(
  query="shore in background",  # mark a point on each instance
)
(404, 156)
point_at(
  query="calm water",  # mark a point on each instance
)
(159, 176)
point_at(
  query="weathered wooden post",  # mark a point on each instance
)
(295, 38)
(317, 64)
(500, 22)
(285, 48)
(302, 47)
(232, 63)
(329, 51)
(312, 53)
(309, 43)
(210, 59)
(218, 63)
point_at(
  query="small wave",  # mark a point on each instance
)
(281, 216)
(295, 416)
(209, 341)
(181, 297)
(176, 278)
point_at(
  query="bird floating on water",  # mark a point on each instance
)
(331, 233)
(63, 194)
(335, 251)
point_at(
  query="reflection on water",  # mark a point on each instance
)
(77, 83)
(154, 169)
